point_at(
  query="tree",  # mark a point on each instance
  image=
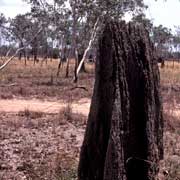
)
(2, 33)
(176, 41)
(18, 28)
(2, 19)
(147, 23)
(82, 15)
(124, 134)
(18, 50)
(105, 10)
(161, 39)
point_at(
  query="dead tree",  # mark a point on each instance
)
(18, 50)
(124, 134)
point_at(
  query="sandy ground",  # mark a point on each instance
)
(52, 107)
(26, 144)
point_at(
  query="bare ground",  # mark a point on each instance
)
(49, 107)
(36, 145)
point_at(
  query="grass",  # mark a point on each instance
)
(170, 75)
(31, 114)
(66, 112)
(40, 81)
(170, 88)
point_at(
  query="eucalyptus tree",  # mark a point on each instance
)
(2, 19)
(94, 12)
(91, 13)
(18, 29)
(162, 37)
(81, 19)
(55, 21)
(147, 23)
(22, 30)
(176, 41)
(2, 32)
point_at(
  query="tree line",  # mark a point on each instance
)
(71, 29)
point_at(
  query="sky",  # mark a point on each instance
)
(10, 8)
(162, 12)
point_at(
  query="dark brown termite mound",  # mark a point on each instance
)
(124, 134)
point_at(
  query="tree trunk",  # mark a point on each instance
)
(83, 69)
(81, 62)
(73, 4)
(76, 66)
(35, 50)
(22, 52)
(67, 68)
(124, 134)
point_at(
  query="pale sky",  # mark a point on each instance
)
(10, 8)
(162, 12)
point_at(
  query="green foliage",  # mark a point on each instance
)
(141, 19)
(2, 19)
(161, 34)
(76, 18)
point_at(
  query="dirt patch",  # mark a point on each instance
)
(41, 139)
(43, 148)
(50, 107)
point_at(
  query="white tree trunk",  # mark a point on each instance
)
(18, 50)
(93, 35)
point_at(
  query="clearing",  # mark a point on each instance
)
(49, 107)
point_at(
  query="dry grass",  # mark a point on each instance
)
(40, 81)
(170, 85)
(31, 114)
(170, 75)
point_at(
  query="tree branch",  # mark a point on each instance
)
(93, 35)
(17, 51)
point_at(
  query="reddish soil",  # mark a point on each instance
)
(50, 107)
